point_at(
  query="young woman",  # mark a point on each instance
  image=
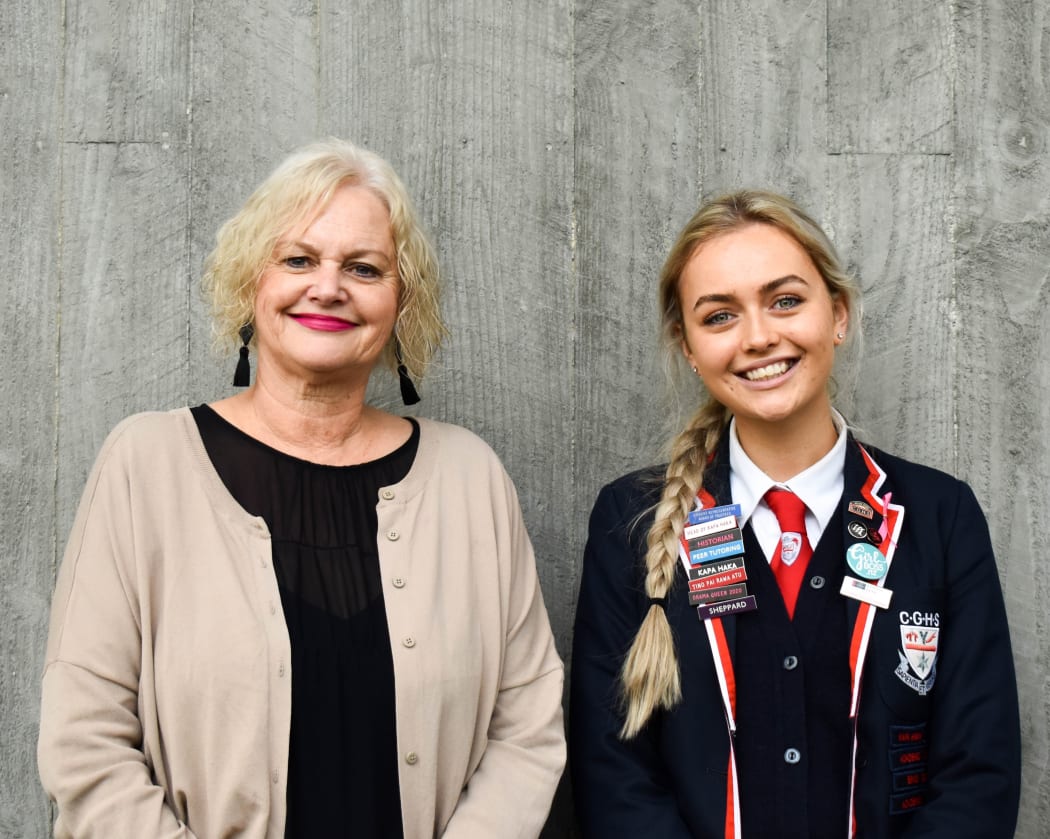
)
(785, 632)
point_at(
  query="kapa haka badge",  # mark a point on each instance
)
(918, 657)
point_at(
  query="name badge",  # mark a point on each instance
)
(866, 592)
(727, 607)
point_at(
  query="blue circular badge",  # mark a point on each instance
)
(866, 561)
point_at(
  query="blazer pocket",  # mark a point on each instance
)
(906, 638)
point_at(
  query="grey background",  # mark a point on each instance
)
(554, 148)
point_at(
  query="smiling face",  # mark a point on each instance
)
(326, 303)
(760, 326)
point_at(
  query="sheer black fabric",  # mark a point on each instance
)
(342, 765)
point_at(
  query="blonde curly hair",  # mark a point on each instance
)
(294, 193)
(650, 678)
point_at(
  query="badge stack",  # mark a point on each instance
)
(864, 558)
(715, 551)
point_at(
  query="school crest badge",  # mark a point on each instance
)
(790, 547)
(918, 657)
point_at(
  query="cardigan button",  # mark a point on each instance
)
(790, 662)
(409, 641)
(387, 494)
(399, 582)
(411, 758)
(792, 756)
(275, 776)
(816, 582)
(393, 535)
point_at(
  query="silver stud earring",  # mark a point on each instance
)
(841, 335)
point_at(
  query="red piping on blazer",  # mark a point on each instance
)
(893, 517)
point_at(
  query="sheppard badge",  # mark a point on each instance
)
(918, 657)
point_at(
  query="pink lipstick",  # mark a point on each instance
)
(323, 323)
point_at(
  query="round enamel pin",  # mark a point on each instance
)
(857, 530)
(866, 561)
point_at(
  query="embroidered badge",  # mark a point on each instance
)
(790, 545)
(920, 634)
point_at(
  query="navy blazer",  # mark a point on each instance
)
(671, 780)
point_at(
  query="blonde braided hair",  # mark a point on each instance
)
(650, 673)
(650, 677)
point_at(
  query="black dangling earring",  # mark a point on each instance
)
(242, 376)
(409, 394)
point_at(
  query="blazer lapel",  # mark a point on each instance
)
(855, 510)
(867, 502)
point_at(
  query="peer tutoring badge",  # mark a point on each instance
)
(698, 557)
(866, 562)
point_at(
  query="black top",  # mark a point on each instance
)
(342, 759)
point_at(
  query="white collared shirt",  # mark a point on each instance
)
(819, 486)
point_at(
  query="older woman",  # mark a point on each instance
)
(289, 613)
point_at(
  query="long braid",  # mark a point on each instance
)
(650, 675)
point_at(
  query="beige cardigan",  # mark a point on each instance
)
(166, 692)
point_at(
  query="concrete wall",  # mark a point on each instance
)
(555, 148)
